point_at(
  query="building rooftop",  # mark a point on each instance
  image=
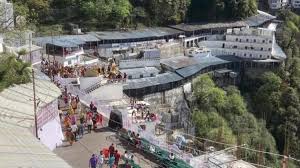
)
(19, 148)
(204, 63)
(17, 101)
(164, 78)
(145, 70)
(203, 26)
(135, 34)
(253, 21)
(65, 40)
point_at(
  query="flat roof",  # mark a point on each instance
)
(135, 34)
(204, 63)
(203, 26)
(18, 145)
(65, 40)
(252, 21)
(17, 101)
(145, 70)
(164, 78)
(19, 148)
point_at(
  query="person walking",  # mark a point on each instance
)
(74, 129)
(111, 149)
(117, 158)
(100, 160)
(93, 161)
(111, 161)
(89, 124)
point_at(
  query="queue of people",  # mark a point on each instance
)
(76, 120)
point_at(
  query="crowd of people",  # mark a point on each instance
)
(76, 120)
(141, 111)
(107, 70)
(111, 157)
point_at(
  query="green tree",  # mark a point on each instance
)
(13, 71)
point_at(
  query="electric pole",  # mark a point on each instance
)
(34, 105)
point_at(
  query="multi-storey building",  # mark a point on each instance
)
(6, 15)
(277, 4)
(249, 43)
(295, 3)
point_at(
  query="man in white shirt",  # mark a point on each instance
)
(100, 160)
(74, 130)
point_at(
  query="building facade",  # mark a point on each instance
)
(247, 43)
(295, 3)
(278, 4)
(7, 15)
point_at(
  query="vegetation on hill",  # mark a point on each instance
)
(223, 116)
(101, 14)
(267, 117)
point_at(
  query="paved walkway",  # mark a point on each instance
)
(79, 153)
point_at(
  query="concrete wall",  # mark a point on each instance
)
(108, 92)
(89, 81)
(139, 63)
(216, 49)
(169, 50)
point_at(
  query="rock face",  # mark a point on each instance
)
(181, 107)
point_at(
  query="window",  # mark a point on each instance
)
(270, 41)
(234, 46)
(263, 41)
(245, 55)
(236, 39)
(250, 55)
(247, 40)
(141, 76)
(240, 40)
(69, 62)
(252, 48)
(270, 49)
(246, 47)
(151, 75)
(261, 49)
(234, 54)
(254, 40)
(130, 77)
(260, 56)
(223, 46)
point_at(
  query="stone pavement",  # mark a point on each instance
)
(80, 152)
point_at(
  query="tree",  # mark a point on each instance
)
(13, 71)
(168, 11)
(121, 12)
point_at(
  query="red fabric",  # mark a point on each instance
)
(89, 115)
(105, 152)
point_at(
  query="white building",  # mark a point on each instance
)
(6, 15)
(277, 4)
(295, 3)
(249, 43)
(16, 41)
